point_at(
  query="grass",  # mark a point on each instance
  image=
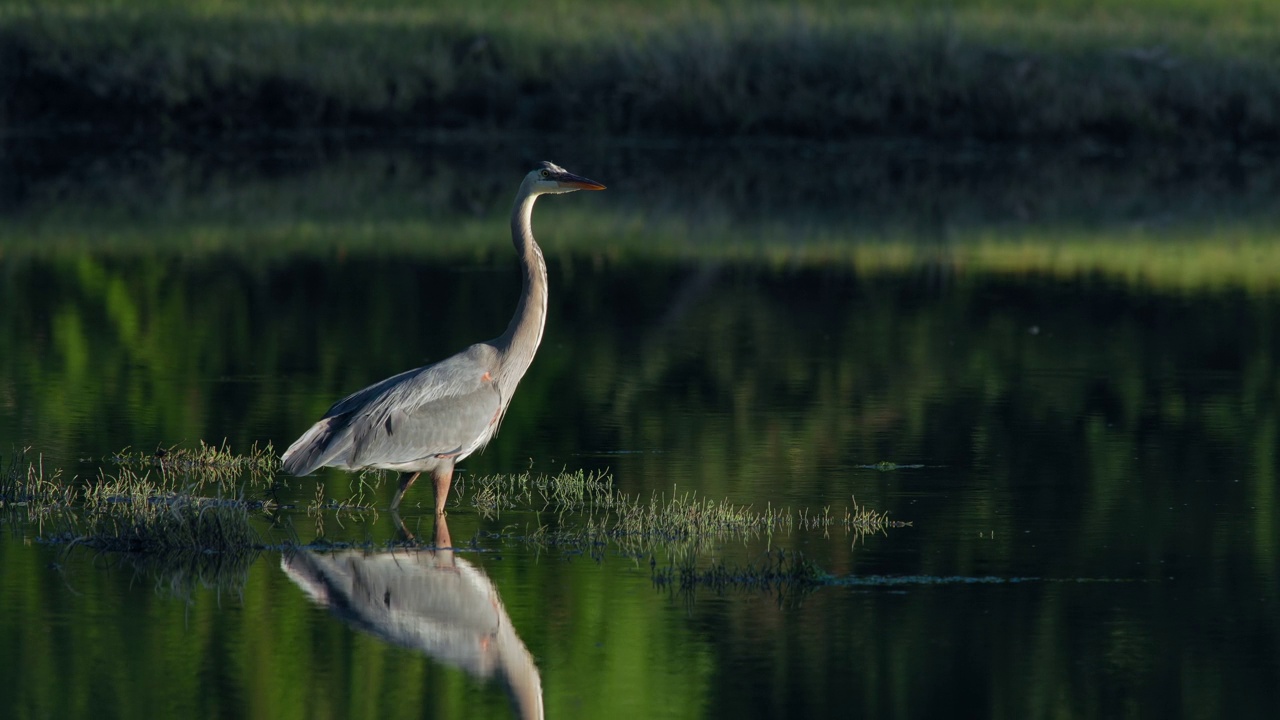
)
(162, 512)
(209, 462)
(39, 498)
(128, 512)
(159, 519)
(158, 511)
(1182, 72)
(585, 512)
(356, 504)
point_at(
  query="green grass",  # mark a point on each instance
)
(126, 512)
(33, 496)
(164, 511)
(212, 464)
(583, 511)
(1181, 72)
(158, 511)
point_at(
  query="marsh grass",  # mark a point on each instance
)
(206, 464)
(562, 492)
(358, 503)
(161, 510)
(176, 514)
(25, 484)
(27, 492)
(149, 513)
(582, 511)
(1173, 71)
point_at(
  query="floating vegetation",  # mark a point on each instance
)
(183, 516)
(133, 513)
(154, 512)
(567, 491)
(207, 463)
(885, 466)
(27, 493)
(590, 513)
(783, 572)
(24, 484)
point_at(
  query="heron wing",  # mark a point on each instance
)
(439, 410)
(446, 426)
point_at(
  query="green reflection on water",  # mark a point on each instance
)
(1079, 413)
(1165, 222)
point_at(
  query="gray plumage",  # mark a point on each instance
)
(430, 601)
(429, 419)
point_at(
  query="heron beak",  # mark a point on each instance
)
(569, 180)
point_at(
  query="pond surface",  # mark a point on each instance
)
(1059, 375)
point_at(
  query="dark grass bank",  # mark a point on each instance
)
(767, 72)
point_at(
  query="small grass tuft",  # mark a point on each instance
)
(37, 498)
(587, 513)
(25, 484)
(859, 519)
(564, 492)
(357, 503)
(133, 513)
(207, 463)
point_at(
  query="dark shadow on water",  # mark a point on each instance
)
(430, 601)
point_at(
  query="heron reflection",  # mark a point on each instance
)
(427, 600)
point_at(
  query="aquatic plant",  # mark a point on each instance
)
(205, 464)
(25, 490)
(24, 483)
(178, 503)
(586, 512)
(131, 512)
(564, 491)
(355, 504)
(158, 511)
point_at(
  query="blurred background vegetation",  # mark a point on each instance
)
(1188, 73)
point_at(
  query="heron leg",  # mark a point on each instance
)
(406, 480)
(442, 477)
(441, 537)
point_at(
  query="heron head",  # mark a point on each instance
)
(551, 178)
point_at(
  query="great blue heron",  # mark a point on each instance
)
(429, 419)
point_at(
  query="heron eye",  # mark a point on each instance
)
(546, 173)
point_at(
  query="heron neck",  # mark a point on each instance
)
(518, 344)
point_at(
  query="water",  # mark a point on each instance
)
(1069, 354)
